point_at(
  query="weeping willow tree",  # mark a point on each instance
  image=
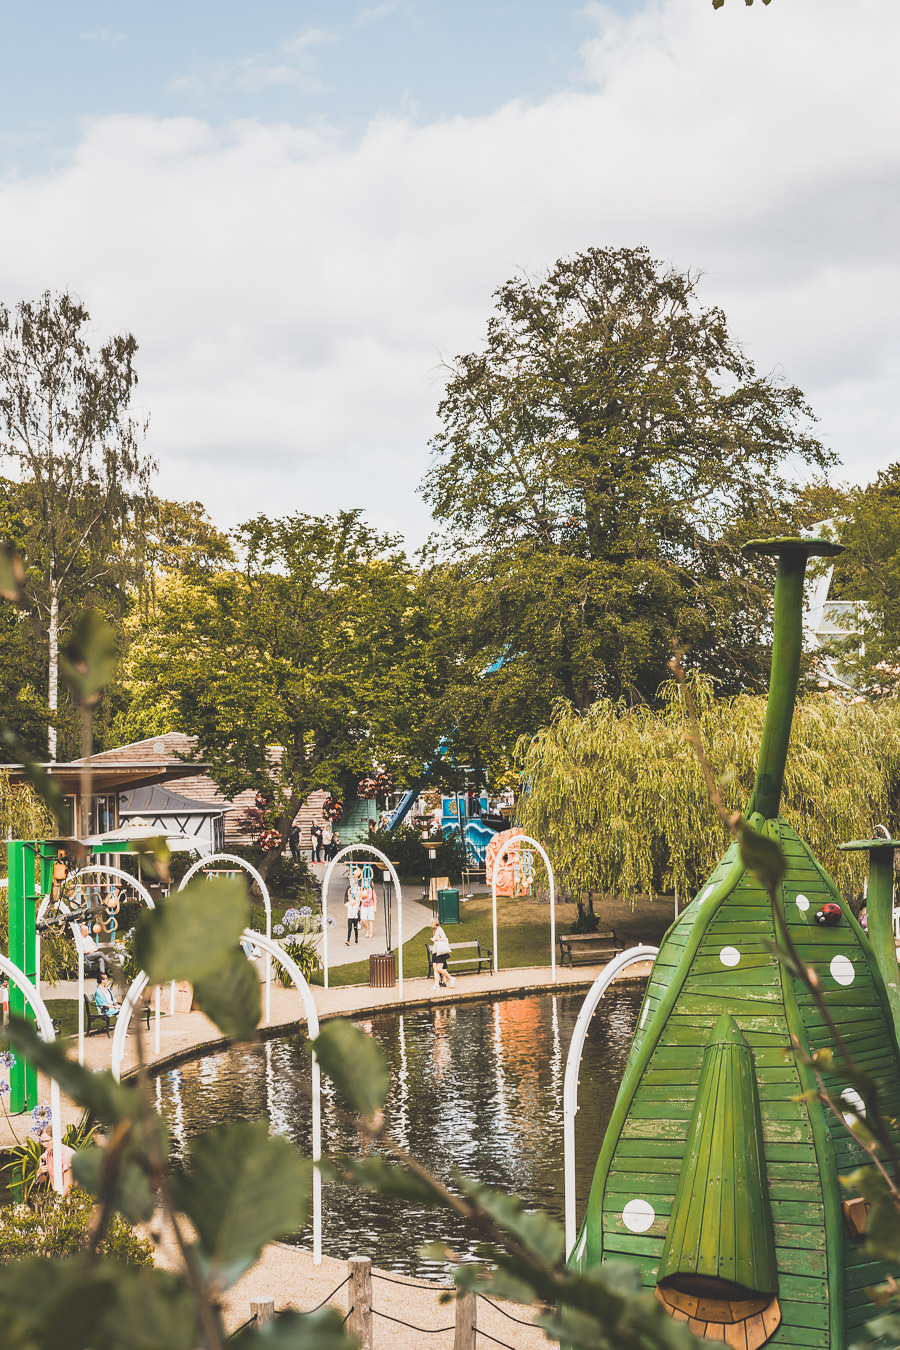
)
(22, 816)
(617, 796)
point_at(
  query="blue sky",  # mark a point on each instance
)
(312, 62)
(302, 210)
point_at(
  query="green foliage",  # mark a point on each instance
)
(619, 797)
(355, 1063)
(602, 457)
(22, 1167)
(304, 954)
(23, 815)
(287, 877)
(405, 849)
(319, 641)
(243, 1188)
(59, 1226)
(194, 936)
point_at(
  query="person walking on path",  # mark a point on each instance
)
(294, 842)
(327, 834)
(440, 950)
(315, 842)
(351, 907)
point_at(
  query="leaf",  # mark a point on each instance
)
(323, 1330)
(244, 1189)
(88, 660)
(761, 855)
(132, 1195)
(110, 1101)
(230, 996)
(377, 1174)
(190, 934)
(12, 575)
(883, 1226)
(542, 1235)
(355, 1063)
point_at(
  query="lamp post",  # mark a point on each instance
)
(431, 847)
(386, 900)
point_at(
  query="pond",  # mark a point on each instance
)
(474, 1086)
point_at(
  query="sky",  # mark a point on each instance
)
(302, 210)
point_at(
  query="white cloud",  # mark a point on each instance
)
(292, 294)
(294, 64)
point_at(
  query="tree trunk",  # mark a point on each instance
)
(284, 829)
(53, 671)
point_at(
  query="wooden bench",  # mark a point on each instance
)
(588, 949)
(479, 956)
(91, 1015)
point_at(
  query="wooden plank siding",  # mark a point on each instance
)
(700, 980)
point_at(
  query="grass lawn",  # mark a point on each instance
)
(523, 928)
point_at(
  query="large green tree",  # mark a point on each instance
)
(601, 459)
(66, 429)
(297, 668)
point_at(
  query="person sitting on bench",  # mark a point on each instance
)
(104, 1002)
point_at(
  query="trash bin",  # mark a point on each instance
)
(383, 970)
(448, 906)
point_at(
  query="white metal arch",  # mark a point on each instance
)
(45, 1022)
(147, 898)
(264, 892)
(362, 848)
(513, 843)
(573, 1064)
(272, 949)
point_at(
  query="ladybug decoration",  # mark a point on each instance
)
(829, 915)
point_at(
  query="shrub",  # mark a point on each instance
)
(59, 1226)
(303, 952)
(404, 848)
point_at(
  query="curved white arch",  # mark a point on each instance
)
(264, 892)
(272, 949)
(148, 901)
(526, 839)
(362, 848)
(45, 1022)
(573, 1063)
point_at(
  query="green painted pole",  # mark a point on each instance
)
(787, 650)
(880, 911)
(22, 913)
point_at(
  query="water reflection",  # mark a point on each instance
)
(475, 1087)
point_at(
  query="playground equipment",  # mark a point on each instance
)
(210, 865)
(345, 853)
(521, 871)
(36, 871)
(273, 952)
(718, 1175)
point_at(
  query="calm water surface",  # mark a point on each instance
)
(476, 1086)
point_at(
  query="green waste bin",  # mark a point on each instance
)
(448, 906)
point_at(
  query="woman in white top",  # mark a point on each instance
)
(440, 950)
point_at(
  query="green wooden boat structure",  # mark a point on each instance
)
(715, 1177)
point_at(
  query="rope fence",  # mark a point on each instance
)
(362, 1312)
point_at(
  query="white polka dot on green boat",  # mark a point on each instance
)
(729, 956)
(842, 969)
(802, 902)
(638, 1215)
(850, 1097)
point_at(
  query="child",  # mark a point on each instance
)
(351, 906)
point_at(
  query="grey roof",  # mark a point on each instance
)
(157, 800)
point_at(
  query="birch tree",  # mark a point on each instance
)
(66, 430)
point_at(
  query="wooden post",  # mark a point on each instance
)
(466, 1319)
(263, 1309)
(360, 1323)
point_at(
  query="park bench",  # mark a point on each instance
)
(91, 1015)
(477, 957)
(588, 949)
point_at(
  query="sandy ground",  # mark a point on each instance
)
(287, 1275)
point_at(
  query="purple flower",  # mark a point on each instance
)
(7, 1059)
(278, 929)
(41, 1117)
(4, 1088)
(292, 916)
